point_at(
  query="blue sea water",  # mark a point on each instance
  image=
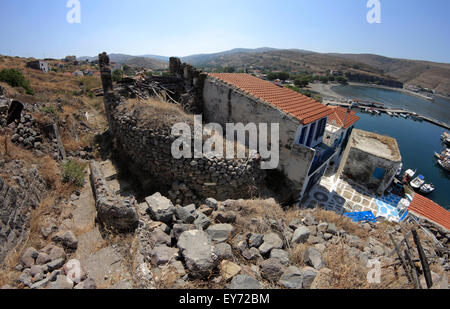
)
(439, 109)
(417, 140)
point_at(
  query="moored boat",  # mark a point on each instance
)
(418, 182)
(444, 164)
(427, 189)
(408, 175)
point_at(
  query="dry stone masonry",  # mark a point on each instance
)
(147, 151)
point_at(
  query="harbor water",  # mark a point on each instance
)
(439, 109)
(418, 140)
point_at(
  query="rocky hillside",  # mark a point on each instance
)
(424, 73)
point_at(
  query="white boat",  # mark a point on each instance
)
(409, 174)
(418, 182)
(445, 165)
(390, 114)
(427, 189)
(445, 155)
(404, 115)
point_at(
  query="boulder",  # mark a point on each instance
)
(57, 253)
(158, 237)
(43, 258)
(28, 257)
(245, 282)
(40, 284)
(281, 255)
(292, 278)
(61, 283)
(67, 239)
(74, 271)
(202, 222)
(228, 270)
(223, 251)
(220, 232)
(160, 208)
(332, 229)
(322, 227)
(53, 265)
(309, 274)
(212, 203)
(251, 254)
(88, 284)
(313, 258)
(272, 270)
(301, 235)
(178, 229)
(198, 252)
(225, 217)
(271, 241)
(255, 240)
(26, 278)
(162, 254)
(184, 215)
(308, 220)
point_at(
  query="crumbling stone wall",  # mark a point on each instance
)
(147, 153)
(112, 212)
(192, 84)
(188, 180)
(19, 195)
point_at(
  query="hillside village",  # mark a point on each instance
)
(91, 196)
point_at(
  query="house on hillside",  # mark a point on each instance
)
(78, 73)
(371, 160)
(242, 98)
(339, 127)
(39, 65)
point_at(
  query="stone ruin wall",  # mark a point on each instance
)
(147, 153)
(18, 197)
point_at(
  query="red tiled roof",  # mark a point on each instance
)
(291, 102)
(339, 115)
(423, 207)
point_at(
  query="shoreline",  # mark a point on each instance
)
(326, 90)
(330, 95)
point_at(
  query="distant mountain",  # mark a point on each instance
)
(426, 74)
(148, 61)
(203, 59)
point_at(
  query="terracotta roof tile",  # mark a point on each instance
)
(428, 209)
(339, 115)
(291, 102)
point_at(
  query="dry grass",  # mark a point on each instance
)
(347, 273)
(341, 222)
(157, 113)
(297, 253)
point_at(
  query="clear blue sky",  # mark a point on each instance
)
(415, 29)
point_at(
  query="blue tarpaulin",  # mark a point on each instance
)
(364, 216)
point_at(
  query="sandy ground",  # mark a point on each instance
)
(327, 92)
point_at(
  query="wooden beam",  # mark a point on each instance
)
(402, 259)
(423, 259)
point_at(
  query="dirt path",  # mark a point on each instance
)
(103, 257)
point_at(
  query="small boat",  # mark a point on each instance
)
(404, 116)
(418, 182)
(444, 155)
(390, 114)
(377, 112)
(445, 164)
(427, 189)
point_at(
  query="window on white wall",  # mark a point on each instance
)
(302, 138)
